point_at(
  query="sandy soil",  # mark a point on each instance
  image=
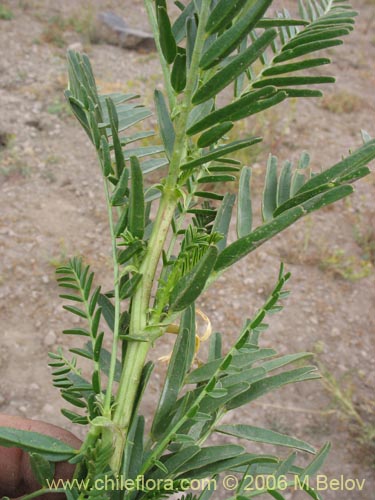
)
(51, 208)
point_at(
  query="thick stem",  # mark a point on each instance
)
(137, 351)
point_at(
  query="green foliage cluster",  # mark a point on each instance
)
(222, 62)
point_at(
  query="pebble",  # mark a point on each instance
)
(45, 279)
(47, 408)
(50, 338)
(314, 320)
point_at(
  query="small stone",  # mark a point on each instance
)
(314, 320)
(47, 408)
(50, 338)
(45, 279)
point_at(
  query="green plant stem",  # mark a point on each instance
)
(137, 351)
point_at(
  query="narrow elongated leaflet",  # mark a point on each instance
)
(209, 455)
(176, 460)
(270, 189)
(216, 178)
(129, 286)
(306, 49)
(106, 157)
(42, 469)
(271, 383)
(177, 368)
(283, 188)
(117, 197)
(290, 67)
(114, 122)
(300, 198)
(214, 134)
(191, 34)
(50, 448)
(231, 38)
(136, 218)
(78, 110)
(244, 205)
(233, 69)
(270, 23)
(260, 435)
(302, 92)
(222, 14)
(128, 253)
(223, 218)
(191, 285)
(284, 81)
(228, 112)
(165, 123)
(314, 36)
(178, 74)
(178, 28)
(166, 37)
(221, 151)
(238, 249)
(316, 464)
(360, 157)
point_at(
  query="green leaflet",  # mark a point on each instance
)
(274, 382)
(177, 368)
(229, 464)
(214, 134)
(359, 158)
(178, 74)
(291, 67)
(135, 463)
(316, 464)
(231, 38)
(119, 192)
(260, 435)
(235, 251)
(128, 288)
(306, 49)
(221, 151)
(192, 284)
(269, 201)
(165, 123)
(223, 218)
(176, 460)
(293, 80)
(49, 448)
(234, 69)
(136, 215)
(209, 455)
(239, 361)
(276, 495)
(166, 37)
(42, 469)
(223, 14)
(232, 112)
(314, 36)
(114, 122)
(244, 205)
(283, 188)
